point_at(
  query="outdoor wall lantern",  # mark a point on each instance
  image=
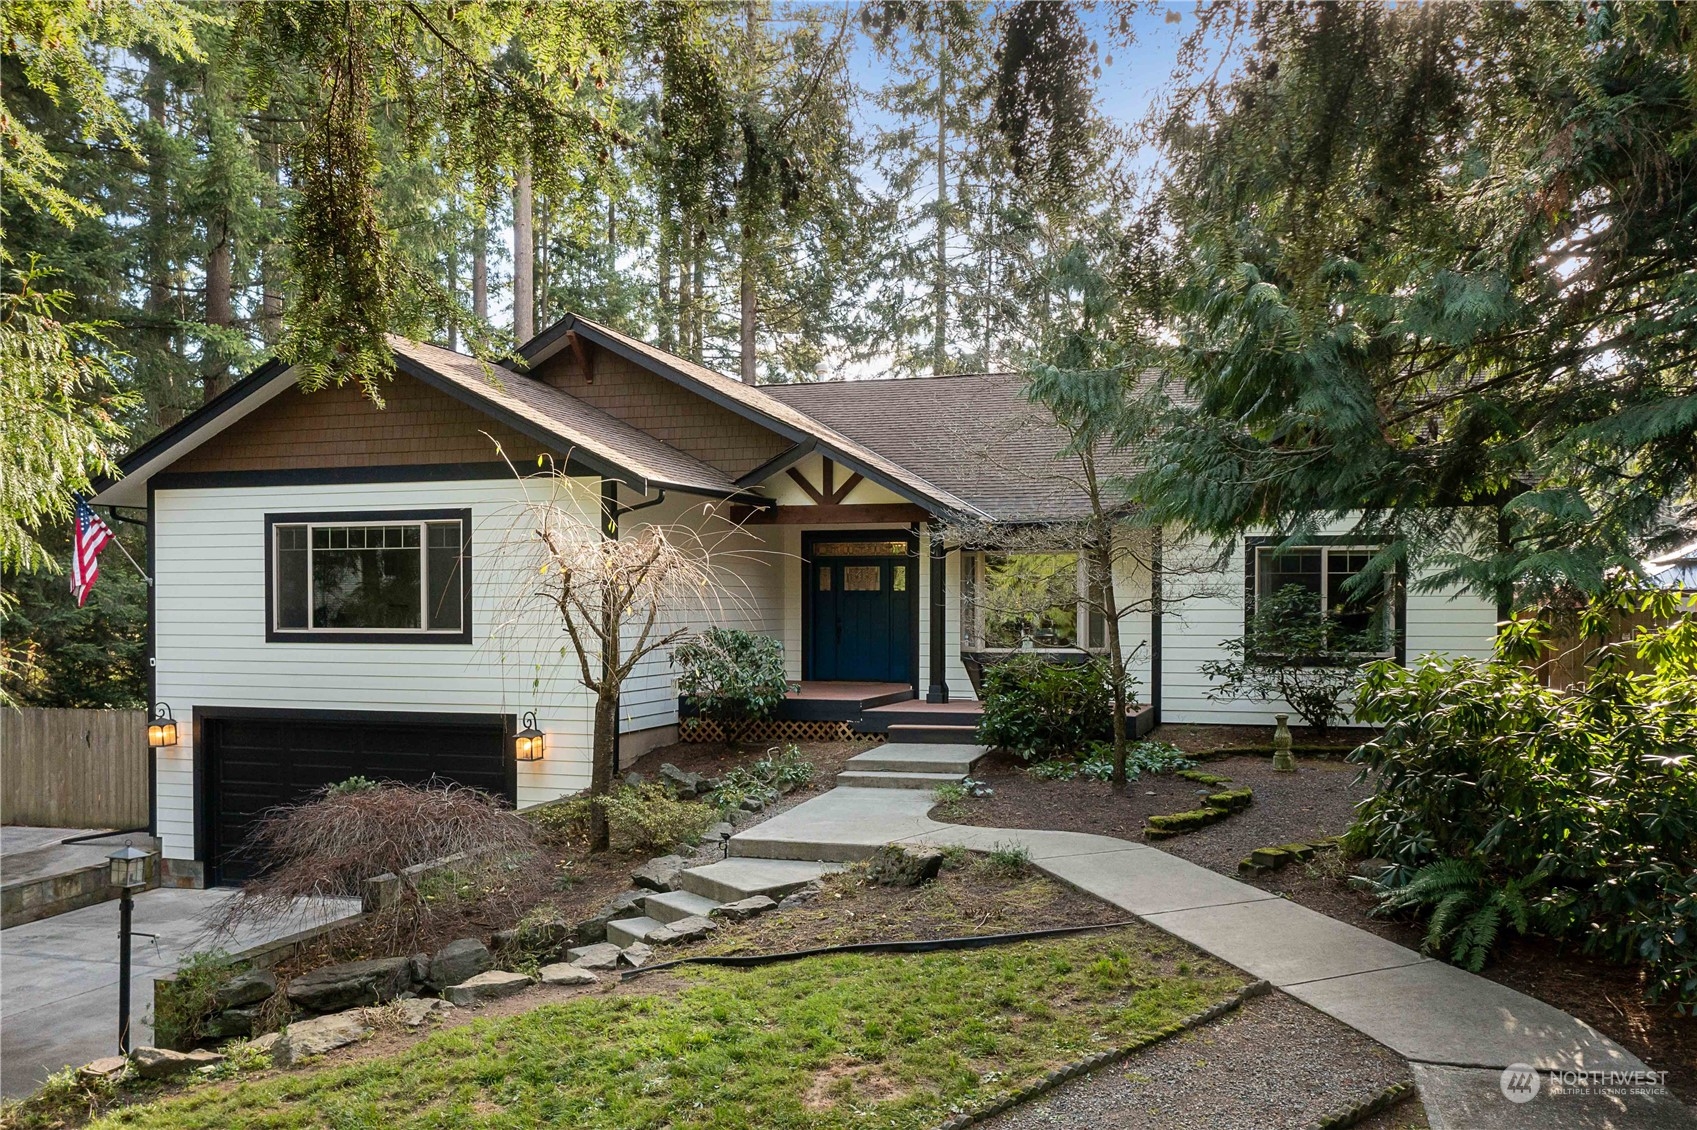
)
(162, 729)
(128, 871)
(528, 743)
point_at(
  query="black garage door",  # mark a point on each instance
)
(258, 761)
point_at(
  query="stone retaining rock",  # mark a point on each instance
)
(636, 954)
(593, 930)
(564, 974)
(684, 784)
(801, 895)
(419, 1009)
(336, 987)
(245, 988)
(602, 955)
(460, 960)
(162, 1063)
(486, 987)
(743, 909)
(316, 1036)
(683, 930)
(659, 874)
(230, 1023)
(111, 1067)
(896, 866)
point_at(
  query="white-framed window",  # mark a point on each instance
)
(1028, 601)
(369, 577)
(1325, 571)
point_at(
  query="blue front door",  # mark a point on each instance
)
(862, 613)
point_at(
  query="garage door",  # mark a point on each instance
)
(257, 762)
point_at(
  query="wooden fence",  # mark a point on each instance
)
(73, 768)
(1568, 665)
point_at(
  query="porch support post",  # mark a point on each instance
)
(939, 689)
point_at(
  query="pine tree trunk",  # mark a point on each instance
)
(747, 312)
(666, 316)
(157, 265)
(541, 234)
(940, 284)
(218, 304)
(271, 269)
(454, 291)
(697, 288)
(524, 270)
(686, 287)
(480, 274)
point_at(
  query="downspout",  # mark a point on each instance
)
(1155, 611)
(610, 531)
(939, 689)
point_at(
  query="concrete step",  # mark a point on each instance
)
(904, 733)
(734, 878)
(889, 780)
(628, 930)
(674, 905)
(917, 758)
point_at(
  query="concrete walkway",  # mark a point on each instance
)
(1458, 1030)
(59, 976)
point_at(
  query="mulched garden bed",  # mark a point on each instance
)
(970, 897)
(1273, 1064)
(1316, 800)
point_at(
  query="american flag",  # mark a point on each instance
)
(92, 536)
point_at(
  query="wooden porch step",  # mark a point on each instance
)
(906, 732)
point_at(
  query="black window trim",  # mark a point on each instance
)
(398, 637)
(1399, 589)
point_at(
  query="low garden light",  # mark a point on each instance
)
(161, 728)
(127, 868)
(528, 743)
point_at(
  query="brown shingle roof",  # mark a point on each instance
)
(581, 428)
(974, 435)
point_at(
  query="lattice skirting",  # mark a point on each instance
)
(775, 730)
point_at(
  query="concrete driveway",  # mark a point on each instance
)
(59, 976)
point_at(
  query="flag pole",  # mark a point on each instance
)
(120, 544)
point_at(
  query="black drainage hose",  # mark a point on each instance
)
(923, 945)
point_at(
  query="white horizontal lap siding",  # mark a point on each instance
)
(747, 566)
(1197, 630)
(1132, 596)
(210, 647)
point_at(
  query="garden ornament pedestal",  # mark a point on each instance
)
(1282, 762)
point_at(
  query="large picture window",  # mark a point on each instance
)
(371, 577)
(1013, 601)
(1326, 573)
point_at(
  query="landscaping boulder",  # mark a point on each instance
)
(545, 937)
(459, 960)
(564, 974)
(316, 1036)
(633, 778)
(419, 1009)
(718, 833)
(336, 987)
(683, 784)
(230, 1023)
(249, 987)
(683, 930)
(743, 908)
(266, 1043)
(802, 894)
(162, 1063)
(601, 955)
(111, 1067)
(896, 866)
(593, 930)
(659, 874)
(420, 968)
(636, 954)
(486, 987)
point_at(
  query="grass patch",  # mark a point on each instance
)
(848, 1040)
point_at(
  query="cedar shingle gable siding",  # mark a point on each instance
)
(339, 427)
(675, 415)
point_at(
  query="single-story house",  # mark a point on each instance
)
(340, 590)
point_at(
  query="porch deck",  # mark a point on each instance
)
(872, 708)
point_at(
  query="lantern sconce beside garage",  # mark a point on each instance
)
(528, 742)
(162, 728)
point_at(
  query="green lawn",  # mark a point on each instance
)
(851, 1040)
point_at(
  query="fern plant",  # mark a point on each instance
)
(1468, 908)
